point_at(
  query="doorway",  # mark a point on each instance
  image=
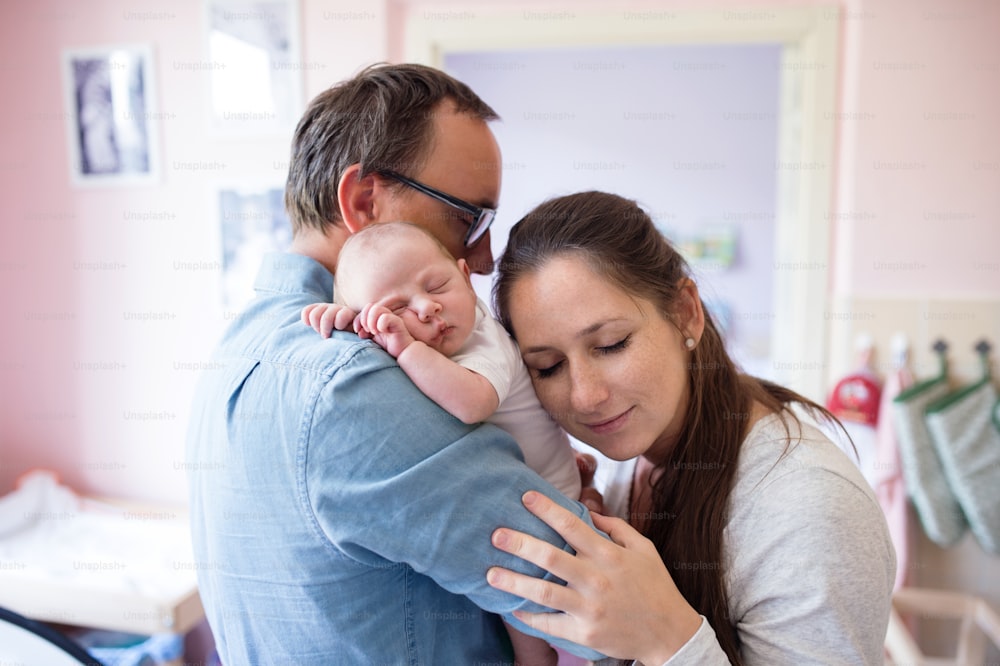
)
(806, 43)
(688, 131)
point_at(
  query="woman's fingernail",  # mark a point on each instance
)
(500, 538)
(494, 577)
(529, 498)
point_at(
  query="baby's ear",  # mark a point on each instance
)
(463, 266)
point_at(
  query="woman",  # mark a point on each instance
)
(751, 538)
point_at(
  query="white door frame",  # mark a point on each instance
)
(806, 134)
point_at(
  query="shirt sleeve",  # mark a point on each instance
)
(702, 648)
(490, 352)
(392, 478)
(809, 586)
(814, 588)
(813, 585)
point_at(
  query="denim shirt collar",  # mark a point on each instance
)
(289, 273)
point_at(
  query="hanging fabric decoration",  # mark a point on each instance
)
(890, 488)
(936, 506)
(967, 440)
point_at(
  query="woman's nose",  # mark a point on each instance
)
(588, 390)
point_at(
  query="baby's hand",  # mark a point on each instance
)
(324, 317)
(385, 328)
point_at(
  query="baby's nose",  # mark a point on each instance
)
(428, 308)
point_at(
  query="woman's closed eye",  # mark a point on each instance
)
(543, 373)
(616, 347)
(546, 371)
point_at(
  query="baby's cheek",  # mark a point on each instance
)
(412, 325)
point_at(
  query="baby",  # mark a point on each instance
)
(396, 284)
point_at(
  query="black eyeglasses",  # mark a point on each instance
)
(482, 218)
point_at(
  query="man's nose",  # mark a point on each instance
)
(480, 256)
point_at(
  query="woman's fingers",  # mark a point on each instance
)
(571, 568)
(545, 593)
(576, 532)
(619, 597)
(540, 553)
(620, 531)
(559, 625)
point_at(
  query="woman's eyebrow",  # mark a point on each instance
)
(536, 350)
(595, 327)
(589, 330)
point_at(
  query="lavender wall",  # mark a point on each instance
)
(690, 132)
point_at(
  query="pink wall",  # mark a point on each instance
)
(112, 295)
(103, 398)
(925, 177)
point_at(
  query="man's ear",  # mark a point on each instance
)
(690, 315)
(357, 198)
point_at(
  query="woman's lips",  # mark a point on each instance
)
(610, 425)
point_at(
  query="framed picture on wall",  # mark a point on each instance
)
(110, 102)
(252, 222)
(254, 66)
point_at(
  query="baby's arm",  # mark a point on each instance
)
(464, 394)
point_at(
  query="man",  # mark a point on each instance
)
(338, 515)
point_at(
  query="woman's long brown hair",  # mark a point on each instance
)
(691, 496)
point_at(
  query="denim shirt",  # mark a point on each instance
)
(338, 515)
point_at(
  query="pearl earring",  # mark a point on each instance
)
(689, 343)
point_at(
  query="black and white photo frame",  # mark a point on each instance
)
(110, 97)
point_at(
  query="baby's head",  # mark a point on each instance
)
(402, 267)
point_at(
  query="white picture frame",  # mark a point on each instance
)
(253, 66)
(110, 98)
